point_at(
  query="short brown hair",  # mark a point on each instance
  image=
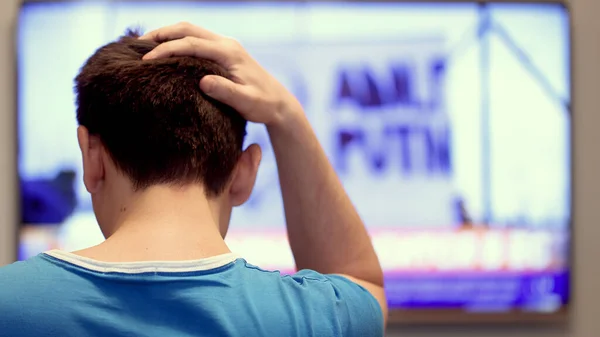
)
(154, 120)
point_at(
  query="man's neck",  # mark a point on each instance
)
(162, 224)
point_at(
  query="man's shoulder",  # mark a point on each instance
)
(311, 285)
(32, 278)
(24, 277)
(28, 290)
(344, 307)
(21, 270)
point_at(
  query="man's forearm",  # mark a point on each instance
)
(324, 230)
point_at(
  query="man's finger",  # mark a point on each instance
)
(223, 90)
(179, 31)
(190, 46)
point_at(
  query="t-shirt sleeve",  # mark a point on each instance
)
(348, 307)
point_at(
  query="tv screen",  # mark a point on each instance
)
(448, 124)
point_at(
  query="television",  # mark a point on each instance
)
(449, 125)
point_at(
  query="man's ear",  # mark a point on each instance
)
(91, 154)
(245, 175)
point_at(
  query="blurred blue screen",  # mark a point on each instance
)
(449, 125)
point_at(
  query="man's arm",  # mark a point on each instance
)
(325, 232)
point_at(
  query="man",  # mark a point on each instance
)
(162, 120)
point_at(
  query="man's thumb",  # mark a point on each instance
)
(218, 87)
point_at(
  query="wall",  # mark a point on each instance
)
(8, 206)
(585, 320)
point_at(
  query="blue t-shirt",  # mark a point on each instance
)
(63, 294)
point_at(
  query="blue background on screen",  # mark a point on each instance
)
(427, 111)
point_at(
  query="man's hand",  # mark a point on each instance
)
(252, 91)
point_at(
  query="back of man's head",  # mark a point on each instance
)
(153, 119)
